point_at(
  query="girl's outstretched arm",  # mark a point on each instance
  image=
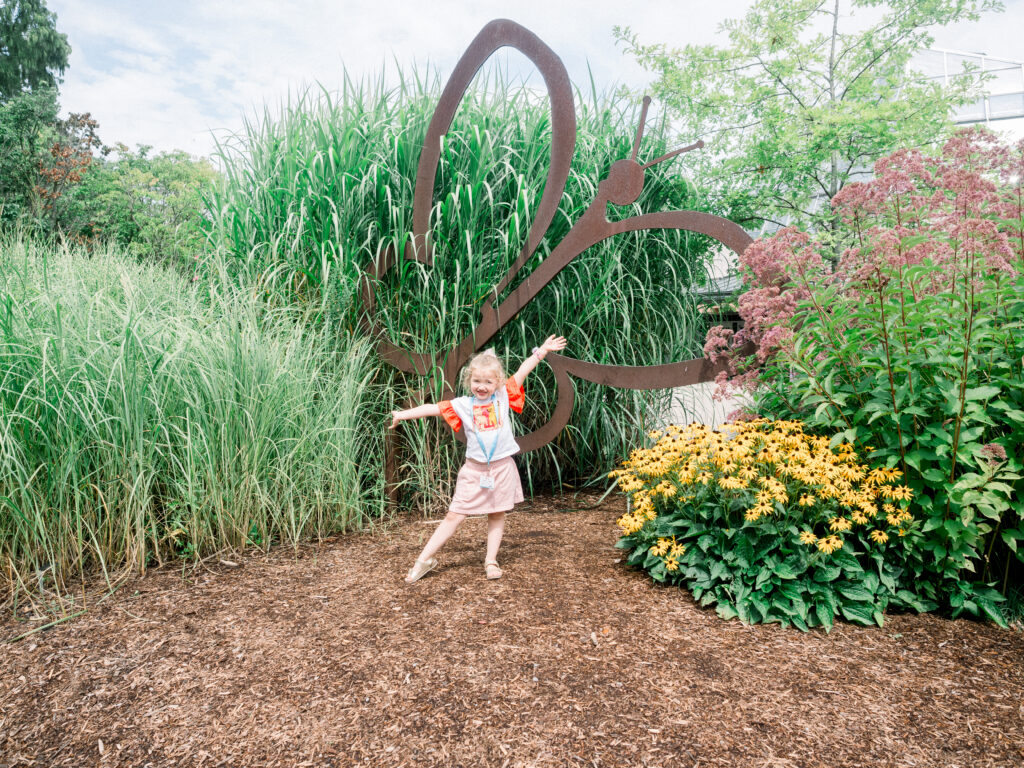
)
(551, 344)
(419, 412)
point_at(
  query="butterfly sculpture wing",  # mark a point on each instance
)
(622, 186)
(496, 34)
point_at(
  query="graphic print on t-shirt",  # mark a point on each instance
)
(485, 417)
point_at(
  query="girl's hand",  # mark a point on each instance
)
(553, 344)
(394, 419)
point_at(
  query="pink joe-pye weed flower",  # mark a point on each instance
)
(960, 210)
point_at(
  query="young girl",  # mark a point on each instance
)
(488, 483)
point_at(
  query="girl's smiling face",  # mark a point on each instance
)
(483, 383)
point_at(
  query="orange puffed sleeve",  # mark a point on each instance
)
(449, 415)
(516, 394)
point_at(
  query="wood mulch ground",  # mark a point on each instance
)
(327, 658)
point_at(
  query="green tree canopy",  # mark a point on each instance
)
(805, 96)
(150, 204)
(32, 52)
(27, 127)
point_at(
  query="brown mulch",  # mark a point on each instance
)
(326, 658)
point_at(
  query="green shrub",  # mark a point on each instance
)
(770, 524)
(148, 204)
(912, 343)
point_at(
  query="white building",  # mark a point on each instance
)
(1002, 106)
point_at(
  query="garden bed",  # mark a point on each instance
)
(328, 658)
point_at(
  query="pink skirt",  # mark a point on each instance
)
(471, 499)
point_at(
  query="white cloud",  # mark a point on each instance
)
(167, 74)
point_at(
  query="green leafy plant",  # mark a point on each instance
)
(914, 346)
(149, 204)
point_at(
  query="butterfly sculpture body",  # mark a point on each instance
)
(622, 186)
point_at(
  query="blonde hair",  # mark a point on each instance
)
(482, 361)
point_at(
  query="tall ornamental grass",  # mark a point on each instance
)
(314, 191)
(144, 418)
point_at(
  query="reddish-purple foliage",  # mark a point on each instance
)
(961, 210)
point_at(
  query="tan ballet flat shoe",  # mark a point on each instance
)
(420, 569)
(492, 570)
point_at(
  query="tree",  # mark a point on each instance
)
(33, 53)
(26, 129)
(804, 98)
(69, 158)
(151, 204)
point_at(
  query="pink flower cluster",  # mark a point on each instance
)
(780, 271)
(961, 210)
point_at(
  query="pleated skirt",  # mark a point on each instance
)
(471, 499)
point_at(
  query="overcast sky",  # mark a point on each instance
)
(167, 73)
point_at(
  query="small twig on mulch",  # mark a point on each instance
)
(44, 626)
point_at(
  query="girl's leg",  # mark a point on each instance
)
(441, 535)
(495, 530)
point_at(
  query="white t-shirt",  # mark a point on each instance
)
(487, 423)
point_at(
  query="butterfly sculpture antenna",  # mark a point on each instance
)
(696, 145)
(640, 127)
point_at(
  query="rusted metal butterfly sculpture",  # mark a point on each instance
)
(622, 186)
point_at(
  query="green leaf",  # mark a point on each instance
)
(1010, 538)
(761, 605)
(887, 581)
(856, 593)
(913, 240)
(1015, 415)
(829, 599)
(825, 573)
(699, 576)
(743, 610)
(968, 436)
(726, 611)
(785, 571)
(825, 615)
(744, 552)
(763, 577)
(857, 612)
(969, 480)
(981, 393)
(915, 602)
(915, 457)
(953, 527)
(993, 613)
